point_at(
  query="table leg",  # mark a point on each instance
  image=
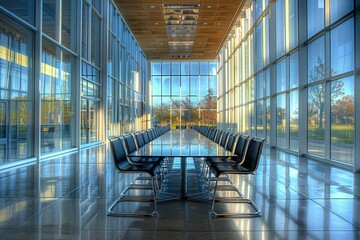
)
(183, 178)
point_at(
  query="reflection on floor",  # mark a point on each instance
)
(67, 198)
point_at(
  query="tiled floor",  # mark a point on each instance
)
(67, 198)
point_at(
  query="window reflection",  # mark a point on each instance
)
(57, 104)
(16, 85)
(281, 120)
(342, 48)
(342, 120)
(315, 16)
(316, 60)
(316, 120)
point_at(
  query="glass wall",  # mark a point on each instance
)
(83, 95)
(183, 93)
(127, 79)
(57, 101)
(16, 91)
(326, 60)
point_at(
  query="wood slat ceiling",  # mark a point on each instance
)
(214, 22)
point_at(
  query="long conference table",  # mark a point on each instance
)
(184, 144)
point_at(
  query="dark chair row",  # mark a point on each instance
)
(247, 153)
(154, 167)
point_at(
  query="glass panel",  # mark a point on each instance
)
(293, 21)
(194, 68)
(259, 119)
(281, 76)
(194, 85)
(95, 40)
(213, 84)
(280, 28)
(213, 68)
(294, 120)
(267, 117)
(316, 60)
(64, 31)
(203, 87)
(259, 46)
(68, 24)
(258, 8)
(316, 120)
(165, 69)
(184, 68)
(343, 120)
(24, 9)
(175, 68)
(294, 71)
(156, 85)
(342, 48)
(339, 8)
(281, 121)
(204, 69)
(57, 105)
(84, 122)
(175, 85)
(259, 86)
(156, 68)
(315, 16)
(267, 82)
(165, 85)
(185, 85)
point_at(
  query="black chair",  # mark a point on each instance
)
(248, 166)
(139, 139)
(224, 138)
(122, 165)
(130, 143)
(150, 135)
(145, 137)
(218, 136)
(230, 143)
(239, 151)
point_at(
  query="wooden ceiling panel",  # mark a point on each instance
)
(213, 23)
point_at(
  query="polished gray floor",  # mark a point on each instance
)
(67, 198)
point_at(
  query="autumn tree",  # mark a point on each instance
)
(208, 104)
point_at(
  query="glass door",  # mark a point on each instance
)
(3, 130)
(89, 122)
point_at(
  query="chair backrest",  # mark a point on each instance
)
(218, 136)
(119, 154)
(240, 148)
(129, 143)
(224, 138)
(150, 135)
(139, 139)
(253, 152)
(145, 136)
(230, 142)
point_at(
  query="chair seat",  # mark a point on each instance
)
(218, 169)
(150, 160)
(149, 168)
(215, 160)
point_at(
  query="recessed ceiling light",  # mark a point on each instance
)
(156, 23)
(209, 6)
(218, 24)
(205, 23)
(152, 6)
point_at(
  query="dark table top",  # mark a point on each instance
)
(182, 143)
